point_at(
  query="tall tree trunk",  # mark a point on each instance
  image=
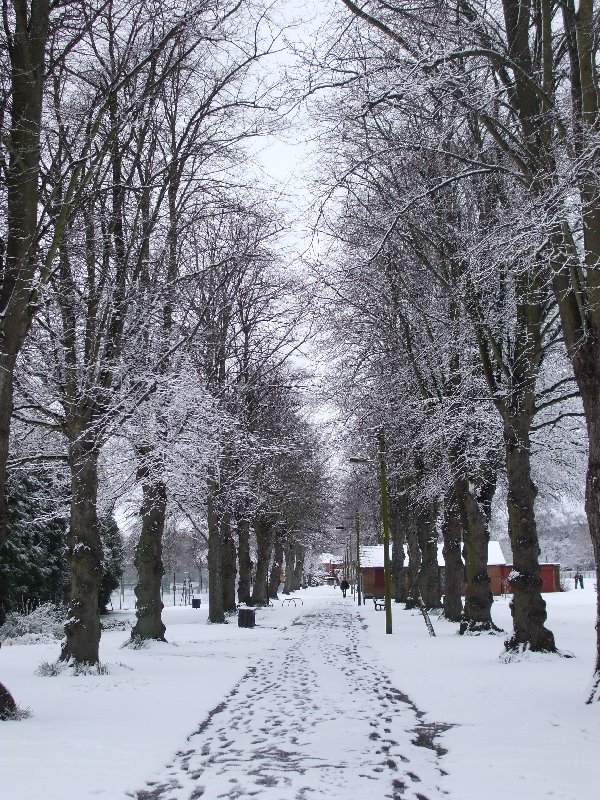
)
(82, 629)
(264, 532)
(453, 570)
(298, 568)
(477, 612)
(290, 558)
(398, 522)
(592, 507)
(583, 345)
(585, 350)
(19, 261)
(229, 572)
(216, 613)
(414, 564)
(148, 559)
(6, 410)
(244, 561)
(487, 481)
(429, 574)
(275, 576)
(528, 608)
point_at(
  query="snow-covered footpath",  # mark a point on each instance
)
(518, 730)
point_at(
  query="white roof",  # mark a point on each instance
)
(372, 556)
(495, 554)
(328, 558)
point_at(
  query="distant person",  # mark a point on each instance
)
(344, 586)
(578, 580)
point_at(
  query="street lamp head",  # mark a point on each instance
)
(356, 460)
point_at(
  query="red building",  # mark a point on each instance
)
(371, 570)
(500, 577)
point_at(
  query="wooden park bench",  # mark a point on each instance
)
(293, 600)
(378, 602)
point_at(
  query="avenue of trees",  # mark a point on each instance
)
(147, 319)
(461, 204)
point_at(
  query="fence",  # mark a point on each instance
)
(567, 577)
(177, 589)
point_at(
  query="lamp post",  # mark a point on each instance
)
(385, 518)
(357, 530)
(385, 521)
(357, 534)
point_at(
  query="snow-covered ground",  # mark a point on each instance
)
(296, 683)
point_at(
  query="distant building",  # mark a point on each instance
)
(329, 563)
(371, 570)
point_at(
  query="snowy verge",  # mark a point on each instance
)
(519, 730)
(95, 736)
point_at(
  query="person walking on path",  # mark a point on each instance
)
(344, 586)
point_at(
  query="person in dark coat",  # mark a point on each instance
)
(344, 586)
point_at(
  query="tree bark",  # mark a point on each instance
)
(18, 262)
(148, 560)
(275, 576)
(582, 337)
(244, 561)
(229, 571)
(414, 564)
(398, 522)
(216, 612)
(82, 629)
(429, 574)
(6, 409)
(528, 608)
(477, 612)
(592, 507)
(265, 536)
(298, 568)
(578, 293)
(290, 557)
(453, 571)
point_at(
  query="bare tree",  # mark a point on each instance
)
(527, 59)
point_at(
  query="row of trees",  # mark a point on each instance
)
(146, 320)
(463, 213)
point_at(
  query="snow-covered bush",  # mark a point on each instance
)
(44, 624)
(50, 669)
